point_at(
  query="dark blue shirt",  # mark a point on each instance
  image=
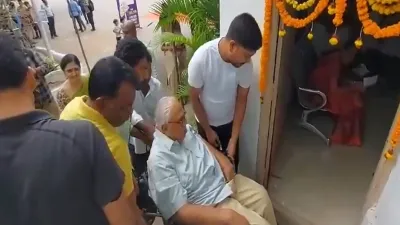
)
(55, 172)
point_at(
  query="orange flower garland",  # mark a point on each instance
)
(300, 23)
(265, 48)
(393, 139)
(340, 7)
(373, 29)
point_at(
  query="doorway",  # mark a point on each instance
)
(325, 184)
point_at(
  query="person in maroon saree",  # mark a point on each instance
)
(345, 102)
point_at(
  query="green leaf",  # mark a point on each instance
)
(183, 88)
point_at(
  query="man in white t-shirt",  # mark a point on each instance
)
(220, 75)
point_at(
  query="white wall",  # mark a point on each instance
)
(386, 211)
(249, 135)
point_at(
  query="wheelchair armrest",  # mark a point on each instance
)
(313, 92)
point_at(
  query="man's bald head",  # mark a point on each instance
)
(129, 29)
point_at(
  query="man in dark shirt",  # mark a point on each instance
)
(51, 172)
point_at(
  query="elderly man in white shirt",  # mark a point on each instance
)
(193, 183)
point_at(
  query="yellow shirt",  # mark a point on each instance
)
(77, 109)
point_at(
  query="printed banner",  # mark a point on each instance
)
(127, 10)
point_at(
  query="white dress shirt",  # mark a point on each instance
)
(144, 109)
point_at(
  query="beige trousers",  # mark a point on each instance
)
(250, 200)
(52, 108)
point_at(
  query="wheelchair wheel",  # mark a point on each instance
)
(149, 219)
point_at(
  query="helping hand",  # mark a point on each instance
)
(213, 139)
(231, 150)
(231, 217)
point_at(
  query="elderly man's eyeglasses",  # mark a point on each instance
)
(181, 121)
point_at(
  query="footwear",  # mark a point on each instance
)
(93, 29)
(55, 35)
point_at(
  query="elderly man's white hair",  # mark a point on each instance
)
(163, 110)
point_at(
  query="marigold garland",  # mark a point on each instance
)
(340, 7)
(300, 6)
(264, 59)
(393, 139)
(384, 9)
(300, 23)
(371, 27)
(387, 1)
(331, 9)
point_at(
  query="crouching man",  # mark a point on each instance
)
(193, 183)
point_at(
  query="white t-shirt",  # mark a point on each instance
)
(117, 31)
(144, 109)
(219, 81)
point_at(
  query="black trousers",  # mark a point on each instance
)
(91, 21)
(224, 133)
(52, 26)
(80, 23)
(85, 16)
(139, 162)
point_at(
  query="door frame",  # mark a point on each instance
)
(382, 171)
(267, 109)
(267, 123)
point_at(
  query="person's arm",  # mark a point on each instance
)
(225, 164)
(108, 180)
(141, 129)
(245, 79)
(43, 67)
(79, 9)
(200, 215)
(136, 133)
(196, 82)
(240, 110)
(171, 198)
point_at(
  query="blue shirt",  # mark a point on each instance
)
(184, 173)
(74, 9)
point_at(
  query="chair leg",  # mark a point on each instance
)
(308, 126)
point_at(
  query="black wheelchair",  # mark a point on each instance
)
(144, 201)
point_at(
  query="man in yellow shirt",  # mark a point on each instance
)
(112, 89)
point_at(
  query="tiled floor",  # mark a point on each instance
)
(327, 185)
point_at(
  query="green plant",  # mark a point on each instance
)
(183, 88)
(51, 63)
(197, 13)
(203, 18)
